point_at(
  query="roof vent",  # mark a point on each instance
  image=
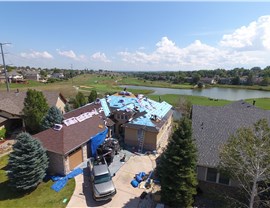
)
(97, 101)
(57, 127)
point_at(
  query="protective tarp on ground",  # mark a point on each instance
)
(97, 140)
(59, 184)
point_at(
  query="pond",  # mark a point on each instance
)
(214, 92)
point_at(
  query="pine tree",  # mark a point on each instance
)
(79, 100)
(35, 108)
(54, 116)
(67, 107)
(177, 168)
(27, 163)
(93, 96)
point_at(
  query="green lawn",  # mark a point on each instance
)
(141, 82)
(263, 103)
(43, 196)
(195, 100)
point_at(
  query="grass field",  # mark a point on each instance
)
(195, 100)
(107, 84)
(43, 196)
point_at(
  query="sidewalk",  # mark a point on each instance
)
(6, 147)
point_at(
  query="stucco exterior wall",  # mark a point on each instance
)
(84, 150)
(152, 140)
(164, 132)
(60, 104)
(131, 138)
(56, 163)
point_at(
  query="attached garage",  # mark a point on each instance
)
(75, 158)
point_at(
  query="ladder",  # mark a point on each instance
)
(141, 141)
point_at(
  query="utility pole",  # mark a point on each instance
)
(5, 69)
(71, 67)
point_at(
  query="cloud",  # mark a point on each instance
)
(196, 55)
(98, 56)
(71, 54)
(36, 54)
(255, 36)
(247, 46)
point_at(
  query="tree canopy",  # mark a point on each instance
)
(245, 157)
(35, 108)
(79, 100)
(93, 96)
(177, 167)
(27, 163)
(53, 116)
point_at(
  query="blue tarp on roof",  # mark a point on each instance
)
(62, 181)
(105, 107)
(97, 140)
(142, 104)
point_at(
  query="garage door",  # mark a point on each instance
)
(75, 158)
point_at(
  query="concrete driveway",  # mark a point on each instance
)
(126, 196)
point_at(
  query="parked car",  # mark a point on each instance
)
(101, 180)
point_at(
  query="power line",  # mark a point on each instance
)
(4, 64)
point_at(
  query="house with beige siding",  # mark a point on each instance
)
(12, 104)
(141, 122)
(70, 146)
(212, 126)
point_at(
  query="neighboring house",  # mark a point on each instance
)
(32, 75)
(188, 79)
(207, 80)
(225, 81)
(212, 126)
(58, 75)
(243, 80)
(70, 146)
(2, 78)
(12, 103)
(142, 123)
(15, 77)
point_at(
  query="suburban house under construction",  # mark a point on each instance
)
(69, 144)
(141, 122)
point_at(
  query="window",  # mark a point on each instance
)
(211, 174)
(214, 176)
(122, 116)
(118, 116)
(126, 117)
(223, 179)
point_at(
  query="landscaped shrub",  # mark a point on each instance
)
(2, 133)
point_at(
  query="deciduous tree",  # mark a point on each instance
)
(246, 159)
(35, 108)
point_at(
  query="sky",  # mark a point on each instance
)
(136, 36)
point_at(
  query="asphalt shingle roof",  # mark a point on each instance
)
(71, 137)
(212, 126)
(13, 102)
